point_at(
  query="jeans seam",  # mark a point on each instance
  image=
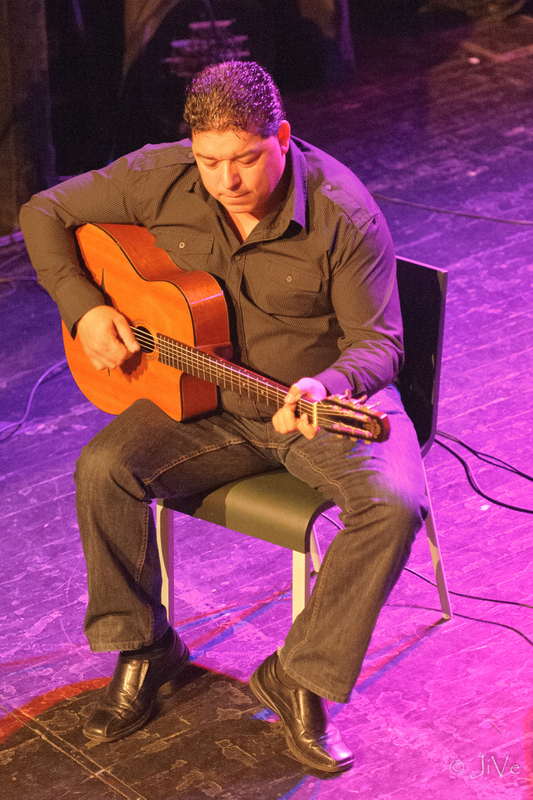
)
(190, 457)
(314, 617)
(139, 568)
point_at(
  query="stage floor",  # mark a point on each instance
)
(441, 711)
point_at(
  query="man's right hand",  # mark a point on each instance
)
(106, 337)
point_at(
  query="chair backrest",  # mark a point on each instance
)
(422, 291)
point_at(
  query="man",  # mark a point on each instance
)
(308, 269)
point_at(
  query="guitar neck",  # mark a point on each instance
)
(214, 369)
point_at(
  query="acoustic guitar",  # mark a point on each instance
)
(180, 320)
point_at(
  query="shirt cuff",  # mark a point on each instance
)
(338, 383)
(74, 297)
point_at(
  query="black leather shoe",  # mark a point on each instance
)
(130, 697)
(311, 737)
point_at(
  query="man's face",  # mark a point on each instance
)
(241, 169)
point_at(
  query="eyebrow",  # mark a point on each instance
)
(250, 152)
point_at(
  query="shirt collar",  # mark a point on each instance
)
(298, 185)
(295, 207)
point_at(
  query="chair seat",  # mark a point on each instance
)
(275, 507)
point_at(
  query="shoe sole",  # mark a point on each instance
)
(266, 700)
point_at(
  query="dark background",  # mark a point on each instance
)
(68, 108)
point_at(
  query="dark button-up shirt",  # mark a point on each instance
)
(311, 291)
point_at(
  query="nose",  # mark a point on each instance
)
(230, 177)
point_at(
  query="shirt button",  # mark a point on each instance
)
(237, 258)
(191, 154)
(289, 278)
(181, 245)
(327, 187)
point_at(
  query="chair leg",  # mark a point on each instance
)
(301, 581)
(436, 557)
(316, 553)
(165, 545)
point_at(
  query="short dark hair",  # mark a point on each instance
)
(234, 95)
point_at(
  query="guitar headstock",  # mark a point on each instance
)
(350, 417)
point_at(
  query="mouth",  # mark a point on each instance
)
(235, 196)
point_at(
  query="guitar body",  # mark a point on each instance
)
(180, 320)
(142, 282)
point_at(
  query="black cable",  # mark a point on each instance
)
(485, 599)
(492, 622)
(494, 461)
(469, 596)
(466, 616)
(474, 485)
(397, 200)
(13, 278)
(458, 594)
(16, 425)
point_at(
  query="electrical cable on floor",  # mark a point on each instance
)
(470, 596)
(472, 480)
(398, 201)
(461, 594)
(489, 459)
(12, 279)
(492, 622)
(52, 371)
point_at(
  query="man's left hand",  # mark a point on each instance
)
(286, 421)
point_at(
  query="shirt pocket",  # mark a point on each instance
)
(187, 249)
(290, 291)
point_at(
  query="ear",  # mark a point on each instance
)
(284, 135)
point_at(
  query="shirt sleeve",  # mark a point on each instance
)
(49, 220)
(364, 295)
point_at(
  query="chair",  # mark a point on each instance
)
(280, 508)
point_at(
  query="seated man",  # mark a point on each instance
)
(308, 269)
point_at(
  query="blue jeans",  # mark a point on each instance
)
(143, 454)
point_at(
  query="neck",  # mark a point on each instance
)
(243, 224)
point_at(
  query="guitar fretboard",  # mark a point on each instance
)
(214, 369)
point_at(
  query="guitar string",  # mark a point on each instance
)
(206, 364)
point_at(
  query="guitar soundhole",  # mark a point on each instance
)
(145, 339)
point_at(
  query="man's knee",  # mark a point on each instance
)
(407, 513)
(96, 464)
(118, 449)
(390, 517)
(106, 458)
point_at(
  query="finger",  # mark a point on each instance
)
(109, 352)
(97, 363)
(126, 335)
(306, 428)
(286, 420)
(293, 395)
